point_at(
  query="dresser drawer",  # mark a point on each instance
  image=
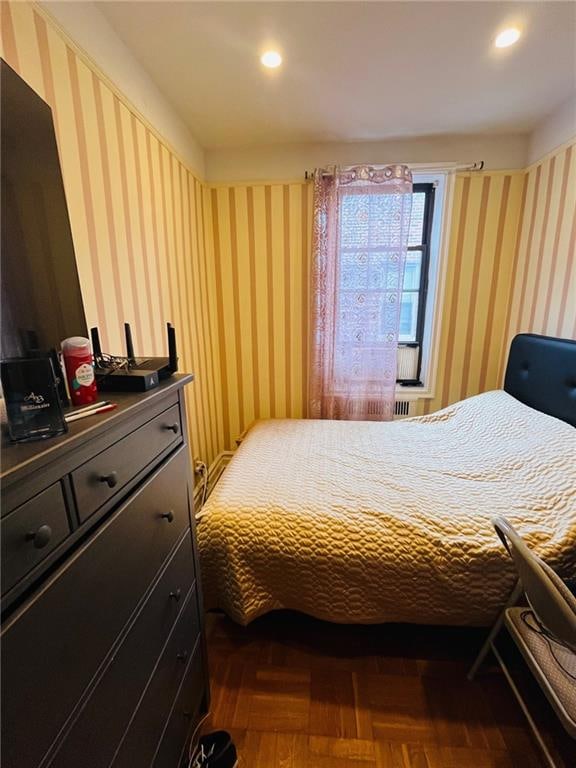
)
(31, 532)
(99, 479)
(95, 735)
(52, 650)
(184, 715)
(143, 736)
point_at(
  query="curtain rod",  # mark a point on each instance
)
(476, 166)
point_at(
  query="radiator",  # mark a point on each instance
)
(214, 472)
(376, 408)
(403, 409)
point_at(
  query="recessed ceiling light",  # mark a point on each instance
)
(507, 37)
(271, 59)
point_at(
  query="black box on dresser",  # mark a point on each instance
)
(103, 647)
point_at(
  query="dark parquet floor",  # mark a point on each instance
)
(301, 693)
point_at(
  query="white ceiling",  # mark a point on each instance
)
(352, 70)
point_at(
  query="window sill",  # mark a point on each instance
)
(413, 393)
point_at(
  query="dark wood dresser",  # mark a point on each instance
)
(103, 651)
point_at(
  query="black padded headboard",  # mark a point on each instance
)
(541, 373)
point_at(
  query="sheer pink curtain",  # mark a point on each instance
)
(360, 238)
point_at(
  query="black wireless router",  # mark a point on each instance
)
(139, 374)
(165, 366)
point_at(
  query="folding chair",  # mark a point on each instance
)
(545, 632)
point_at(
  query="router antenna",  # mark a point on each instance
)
(96, 348)
(172, 351)
(129, 344)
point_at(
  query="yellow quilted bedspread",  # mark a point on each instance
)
(368, 522)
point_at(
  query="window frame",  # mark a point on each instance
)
(429, 189)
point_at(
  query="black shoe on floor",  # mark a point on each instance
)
(215, 750)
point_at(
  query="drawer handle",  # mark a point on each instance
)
(172, 428)
(41, 537)
(176, 595)
(168, 516)
(182, 656)
(111, 480)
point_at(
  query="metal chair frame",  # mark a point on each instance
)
(543, 588)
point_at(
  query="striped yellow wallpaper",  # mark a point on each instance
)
(511, 268)
(261, 240)
(543, 299)
(262, 237)
(230, 264)
(511, 265)
(138, 215)
(483, 233)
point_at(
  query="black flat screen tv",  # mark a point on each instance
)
(40, 290)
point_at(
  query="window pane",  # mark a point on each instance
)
(408, 316)
(417, 218)
(412, 270)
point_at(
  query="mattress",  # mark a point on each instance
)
(368, 522)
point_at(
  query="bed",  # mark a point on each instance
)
(368, 522)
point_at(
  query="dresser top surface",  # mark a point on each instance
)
(24, 457)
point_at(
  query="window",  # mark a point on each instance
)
(370, 247)
(415, 287)
(367, 270)
(359, 268)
